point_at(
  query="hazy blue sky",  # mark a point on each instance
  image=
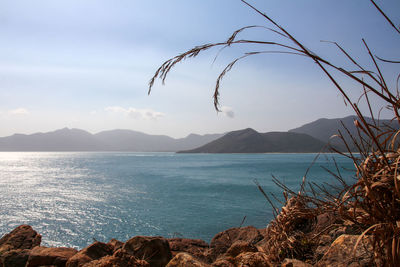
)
(86, 64)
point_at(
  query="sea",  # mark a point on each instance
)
(74, 198)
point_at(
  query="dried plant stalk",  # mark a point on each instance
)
(372, 203)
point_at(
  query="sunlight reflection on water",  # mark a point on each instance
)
(71, 198)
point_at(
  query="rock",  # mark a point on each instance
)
(322, 247)
(110, 261)
(240, 247)
(22, 237)
(340, 253)
(336, 232)
(17, 257)
(195, 247)
(78, 260)
(114, 261)
(184, 244)
(184, 259)
(253, 259)
(294, 263)
(95, 251)
(115, 244)
(154, 250)
(40, 256)
(224, 262)
(224, 240)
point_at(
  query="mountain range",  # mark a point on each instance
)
(311, 137)
(251, 141)
(115, 140)
(324, 129)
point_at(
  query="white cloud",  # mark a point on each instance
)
(18, 112)
(227, 111)
(116, 109)
(146, 114)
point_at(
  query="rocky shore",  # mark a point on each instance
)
(328, 243)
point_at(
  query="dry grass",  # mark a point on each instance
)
(372, 203)
(288, 235)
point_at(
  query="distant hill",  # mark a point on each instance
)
(60, 140)
(324, 129)
(127, 140)
(251, 141)
(114, 140)
(311, 137)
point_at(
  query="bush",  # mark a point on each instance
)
(372, 203)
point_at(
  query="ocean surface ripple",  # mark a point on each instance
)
(73, 198)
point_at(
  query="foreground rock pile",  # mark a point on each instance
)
(233, 247)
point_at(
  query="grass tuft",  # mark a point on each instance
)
(372, 204)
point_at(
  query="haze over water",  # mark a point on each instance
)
(71, 198)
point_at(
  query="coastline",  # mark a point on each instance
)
(241, 246)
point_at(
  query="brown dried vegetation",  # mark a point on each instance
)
(372, 203)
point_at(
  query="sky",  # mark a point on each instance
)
(87, 64)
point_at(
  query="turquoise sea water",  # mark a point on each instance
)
(71, 198)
